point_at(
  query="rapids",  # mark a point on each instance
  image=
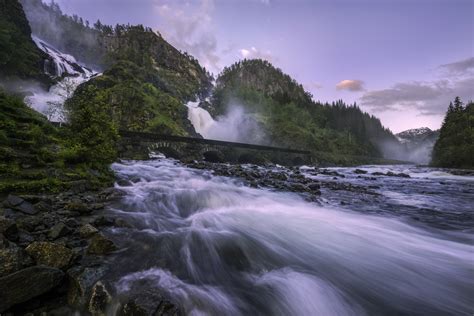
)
(216, 246)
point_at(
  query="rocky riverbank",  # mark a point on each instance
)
(53, 252)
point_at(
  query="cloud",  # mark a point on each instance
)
(254, 53)
(190, 29)
(350, 85)
(426, 97)
(462, 67)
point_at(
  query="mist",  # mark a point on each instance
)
(236, 125)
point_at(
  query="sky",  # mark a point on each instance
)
(400, 60)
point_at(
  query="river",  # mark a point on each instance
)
(217, 246)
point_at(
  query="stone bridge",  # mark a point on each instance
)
(139, 145)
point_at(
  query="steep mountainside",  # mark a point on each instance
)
(290, 117)
(19, 56)
(455, 145)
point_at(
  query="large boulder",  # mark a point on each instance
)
(50, 254)
(26, 284)
(13, 259)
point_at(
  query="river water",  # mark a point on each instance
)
(217, 246)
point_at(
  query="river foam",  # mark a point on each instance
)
(218, 247)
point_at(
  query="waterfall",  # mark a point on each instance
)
(71, 73)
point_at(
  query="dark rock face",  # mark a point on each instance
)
(8, 228)
(50, 254)
(26, 284)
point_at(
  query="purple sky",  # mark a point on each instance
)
(401, 60)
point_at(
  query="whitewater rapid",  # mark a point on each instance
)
(218, 247)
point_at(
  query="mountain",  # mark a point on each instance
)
(418, 144)
(455, 145)
(19, 56)
(289, 116)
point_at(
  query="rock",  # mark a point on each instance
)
(26, 284)
(13, 259)
(100, 245)
(124, 183)
(50, 254)
(8, 228)
(145, 299)
(79, 207)
(377, 173)
(58, 230)
(314, 186)
(120, 222)
(87, 230)
(13, 200)
(100, 299)
(103, 221)
(21, 205)
(29, 223)
(3, 242)
(24, 238)
(360, 171)
(81, 281)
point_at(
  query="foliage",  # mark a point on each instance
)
(19, 56)
(455, 145)
(289, 115)
(37, 157)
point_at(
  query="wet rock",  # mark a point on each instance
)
(8, 228)
(100, 299)
(29, 223)
(148, 302)
(21, 205)
(50, 254)
(124, 183)
(120, 222)
(314, 186)
(377, 173)
(103, 221)
(24, 238)
(13, 259)
(81, 281)
(87, 230)
(360, 171)
(100, 245)
(58, 230)
(26, 284)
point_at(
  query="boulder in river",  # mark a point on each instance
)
(50, 254)
(87, 230)
(26, 284)
(58, 230)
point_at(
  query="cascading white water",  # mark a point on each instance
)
(218, 247)
(235, 126)
(51, 102)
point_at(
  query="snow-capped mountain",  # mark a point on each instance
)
(418, 143)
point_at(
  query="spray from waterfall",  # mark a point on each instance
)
(236, 125)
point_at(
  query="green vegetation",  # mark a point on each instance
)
(291, 118)
(455, 145)
(37, 157)
(19, 56)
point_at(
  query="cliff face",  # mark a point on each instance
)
(19, 56)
